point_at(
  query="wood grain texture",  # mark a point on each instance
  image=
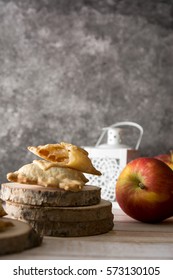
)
(38, 195)
(129, 239)
(59, 214)
(73, 229)
(18, 238)
(65, 221)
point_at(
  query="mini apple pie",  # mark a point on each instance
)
(64, 155)
(64, 178)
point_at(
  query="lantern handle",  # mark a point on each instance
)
(139, 127)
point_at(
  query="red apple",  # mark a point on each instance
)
(167, 158)
(144, 190)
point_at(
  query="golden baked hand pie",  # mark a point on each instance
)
(2, 211)
(65, 155)
(64, 178)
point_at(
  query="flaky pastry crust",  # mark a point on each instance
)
(58, 177)
(65, 155)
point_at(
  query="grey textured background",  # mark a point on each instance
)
(69, 68)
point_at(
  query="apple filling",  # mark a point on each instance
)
(62, 166)
(51, 152)
(64, 155)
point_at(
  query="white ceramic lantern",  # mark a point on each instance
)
(111, 157)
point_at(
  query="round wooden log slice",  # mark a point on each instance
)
(38, 195)
(19, 237)
(100, 211)
(73, 229)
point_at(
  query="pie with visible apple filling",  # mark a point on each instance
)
(65, 155)
(62, 166)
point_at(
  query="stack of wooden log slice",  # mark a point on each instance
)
(56, 212)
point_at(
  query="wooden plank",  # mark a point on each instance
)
(125, 223)
(115, 244)
(59, 248)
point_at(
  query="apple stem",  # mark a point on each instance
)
(141, 185)
(171, 152)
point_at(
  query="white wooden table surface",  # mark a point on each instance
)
(129, 239)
